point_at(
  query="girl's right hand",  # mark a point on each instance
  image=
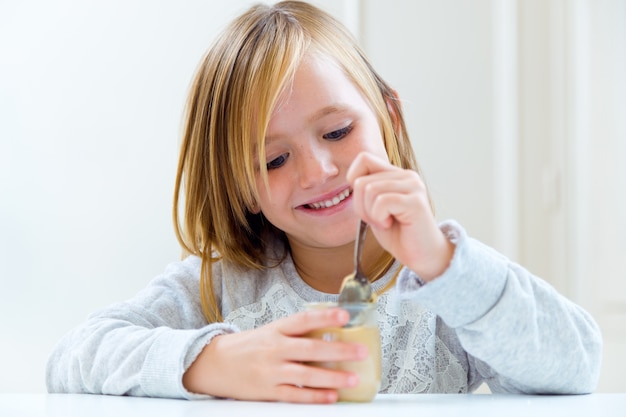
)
(269, 363)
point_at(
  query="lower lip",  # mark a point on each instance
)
(327, 211)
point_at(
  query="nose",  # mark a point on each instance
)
(315, 165)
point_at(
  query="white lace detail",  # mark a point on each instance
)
(415, 357)
(276, 303)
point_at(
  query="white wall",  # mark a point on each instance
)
(602, 197)
(438, 55)
(572, 152)
(517, 114)
(91, 97)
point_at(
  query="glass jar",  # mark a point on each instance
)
(365, 332)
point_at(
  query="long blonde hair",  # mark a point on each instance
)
(230, 103)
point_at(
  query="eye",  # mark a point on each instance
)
(277, 162)
(338, 134)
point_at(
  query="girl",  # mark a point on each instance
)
(290, 138)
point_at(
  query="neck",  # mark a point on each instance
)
(325, 268)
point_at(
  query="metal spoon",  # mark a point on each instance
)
(356, 287)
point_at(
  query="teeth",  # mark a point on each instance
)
(333, 202)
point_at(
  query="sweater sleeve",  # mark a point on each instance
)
(140, 347)
(520, 334)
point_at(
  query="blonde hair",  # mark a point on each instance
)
(231, 100)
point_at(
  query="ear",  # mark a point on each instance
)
(255, 209)
(394, 107)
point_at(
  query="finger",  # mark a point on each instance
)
(306, 395)
(365, 164)
(317, 377)
(310, 349)
(404, 208)
(369, 188)
(403, 190)
(305, 321)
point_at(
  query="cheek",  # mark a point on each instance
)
(263, 194)
(378, 147)
(269, 196)
(372, 141)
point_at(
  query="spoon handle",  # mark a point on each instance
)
(358, 250)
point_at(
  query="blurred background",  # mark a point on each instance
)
(517, 111)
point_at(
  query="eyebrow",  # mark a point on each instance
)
(325, 111)
(319, 114)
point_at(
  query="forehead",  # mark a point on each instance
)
(319, 88)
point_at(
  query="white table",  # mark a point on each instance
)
(421, 405)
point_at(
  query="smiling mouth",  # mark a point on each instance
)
(331, 202)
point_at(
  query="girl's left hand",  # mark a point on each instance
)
(395, 203)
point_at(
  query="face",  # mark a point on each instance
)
(321, 123)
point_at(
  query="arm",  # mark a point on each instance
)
(140, 347)
(158, 344)
(271, 363)
(521, 334)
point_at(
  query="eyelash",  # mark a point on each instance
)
(272, 164)
(333, 136)
(342, 133)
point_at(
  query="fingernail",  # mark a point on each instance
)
(332, 397)
(343, 316)
(353, 380)
(362, 352)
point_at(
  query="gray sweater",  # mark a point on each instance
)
(485, 319)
